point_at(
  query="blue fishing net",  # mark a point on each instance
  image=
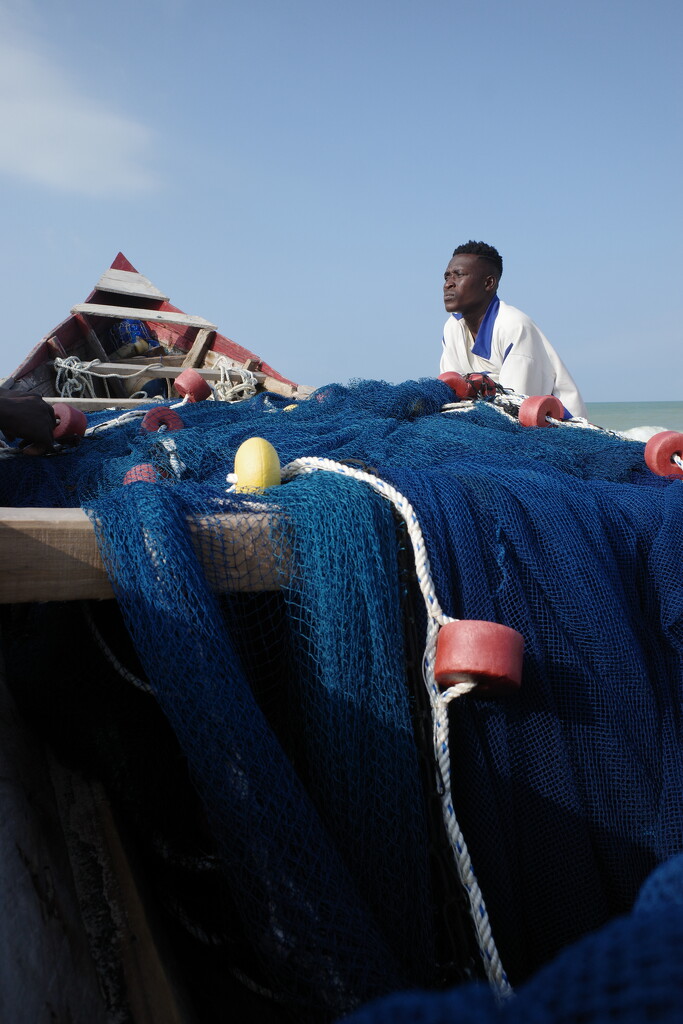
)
(568, 792)
(629, 971)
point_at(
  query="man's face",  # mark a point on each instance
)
(468, 285)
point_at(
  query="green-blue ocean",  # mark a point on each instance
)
(627, 415)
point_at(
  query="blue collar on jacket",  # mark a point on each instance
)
(482, 342)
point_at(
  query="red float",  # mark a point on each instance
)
(71, 422)
(484, 386)
(192, 385)
(660, 450)
(161, 416)
(483, 652)
(458, 384)
(533, 411)
(145, 472)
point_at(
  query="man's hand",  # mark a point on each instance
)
(27, 417)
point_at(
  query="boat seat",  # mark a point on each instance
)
(129, 282)
(159, 316)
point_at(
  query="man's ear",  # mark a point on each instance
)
(490, 284)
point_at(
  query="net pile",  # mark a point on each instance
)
(283, 643)
(629, 971)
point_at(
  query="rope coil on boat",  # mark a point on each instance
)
(74, 377)
(227, 390)
(439, 701)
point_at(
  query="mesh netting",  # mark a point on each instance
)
(629, 971)
(275, 637)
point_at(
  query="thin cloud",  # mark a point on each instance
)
(53, 135)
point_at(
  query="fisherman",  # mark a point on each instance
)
(485, 335)
(28, 417)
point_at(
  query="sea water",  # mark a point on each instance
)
(624, 416)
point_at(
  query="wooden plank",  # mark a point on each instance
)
(252, 364)
(128, 282)
(47, 973)
(158, 316)
(98, 404)
(200, 346)
(56, 348)
(49, 554)
(153, 369)
(132, 971)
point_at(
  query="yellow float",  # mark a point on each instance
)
(257, 466)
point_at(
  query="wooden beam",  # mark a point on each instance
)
(150, 369)
(157, 316)
(200, 346)
(98, 404)
(127, 282)
(46, 968)
(153, 370)
(49, 554)
(140, 982)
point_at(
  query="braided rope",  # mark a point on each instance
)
(125, 417)
(225, 390)
(514, 400)
(74, 377)
(438, 701)
(118, 667)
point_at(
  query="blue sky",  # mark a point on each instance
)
(300, 173)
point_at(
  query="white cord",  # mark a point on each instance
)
(140, 684)
(225, 390)
(439, 705)
(74, 377)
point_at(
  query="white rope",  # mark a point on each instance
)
(511, 398)
(439, 704)
(129, 677)
(125, 417)
(227, 390)
(74, 377)
(177, 464)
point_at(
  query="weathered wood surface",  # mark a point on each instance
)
(76, 939)
(132, 972)
(159, 316)
(98, 404)
(128, 282)
(200, 346)
(49, 555)
(52, 555)
(47, 973)
(151, 368)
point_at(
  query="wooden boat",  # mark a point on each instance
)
(82, 936)
(134, 335)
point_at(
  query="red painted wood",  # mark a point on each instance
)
(121, 263)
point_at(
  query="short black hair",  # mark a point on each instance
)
(486, 252)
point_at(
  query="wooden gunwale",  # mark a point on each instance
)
(51, 554)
